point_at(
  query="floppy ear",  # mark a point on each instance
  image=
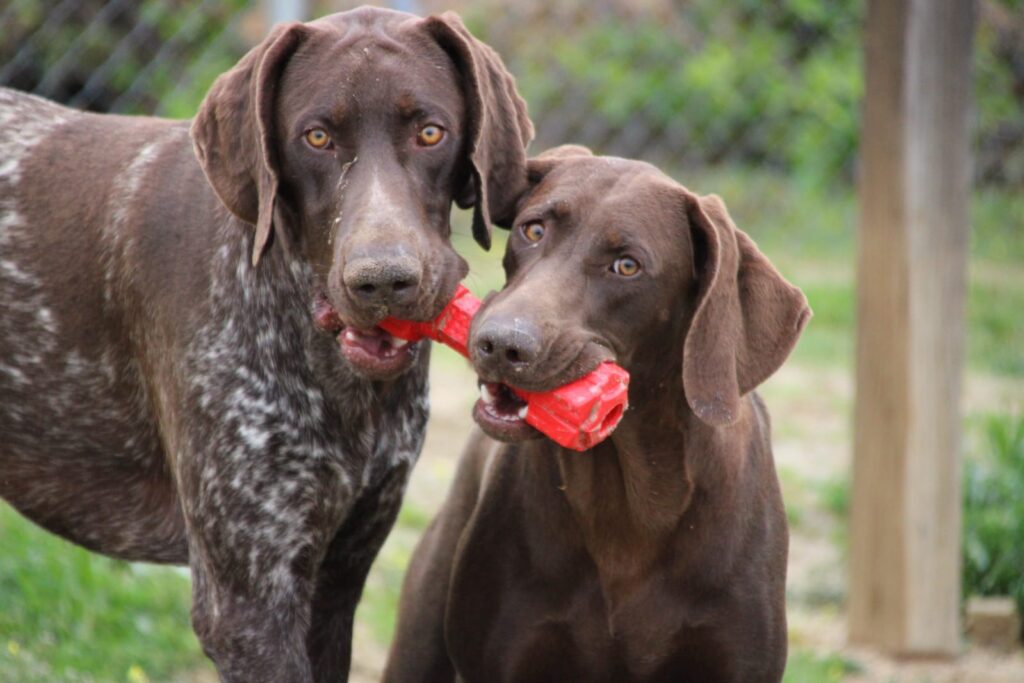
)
(498, 128)
(233, 133)
(747, 318)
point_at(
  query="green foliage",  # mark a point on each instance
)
(154, 56)
(705, 82)
(766, 83)
(993, 540)
(70, 615)
(999, 89)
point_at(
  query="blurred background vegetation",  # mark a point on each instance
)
(758, 102)
(776, 85)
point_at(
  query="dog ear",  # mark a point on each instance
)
(498, 128)
(746, 320)
(233, 133)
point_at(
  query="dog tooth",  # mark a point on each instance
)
(398, 343)
(486, 395)
(350, 335)
(522, 412)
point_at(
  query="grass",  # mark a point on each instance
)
(805, 666)
(70, 615)
(379, 606)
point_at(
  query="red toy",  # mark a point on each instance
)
(578, 415)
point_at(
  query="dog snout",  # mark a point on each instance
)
(505, 346)
(383, 281)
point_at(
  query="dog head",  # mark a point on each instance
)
(609, 259)
(344, 142)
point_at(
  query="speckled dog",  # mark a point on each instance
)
(190, 368)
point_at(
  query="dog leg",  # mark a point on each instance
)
(258, 528)
(343, 574)
(250, 637)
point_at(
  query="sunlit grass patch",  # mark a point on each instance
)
(805, 666)
(70, 615)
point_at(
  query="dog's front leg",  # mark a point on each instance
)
(252, 634)
(343, 573)
(257, 529)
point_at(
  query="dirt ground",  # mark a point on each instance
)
(811, 417)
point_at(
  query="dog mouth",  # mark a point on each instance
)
(375, 352)
(372, 352)
(501, 414)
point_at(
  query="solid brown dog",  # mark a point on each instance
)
(660, 555)
(165, 391)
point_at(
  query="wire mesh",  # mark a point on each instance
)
(677, 82)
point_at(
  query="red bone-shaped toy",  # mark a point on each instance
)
(578, 415)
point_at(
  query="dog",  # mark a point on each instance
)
(660, 554)
(190, 367)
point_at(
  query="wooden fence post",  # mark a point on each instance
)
(904, 591)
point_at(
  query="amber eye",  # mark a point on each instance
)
(533, 232)
(430, 135)
(318, 137)
(625, 267)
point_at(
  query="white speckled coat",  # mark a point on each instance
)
(164, 393)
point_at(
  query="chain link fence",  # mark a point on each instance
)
(118, 55)
(677, 82)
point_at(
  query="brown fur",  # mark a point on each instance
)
(660, 555)
(164, 392)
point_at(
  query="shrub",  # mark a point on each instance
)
(993, 540)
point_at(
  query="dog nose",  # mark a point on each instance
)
(383, 281)
(506, 345)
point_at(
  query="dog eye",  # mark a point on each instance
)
(430, 135)
(318, 138)
(626, 267)
(533, 232)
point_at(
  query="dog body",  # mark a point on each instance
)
(659, 555)
(166, 393)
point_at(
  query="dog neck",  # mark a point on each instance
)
(634, 495)
(634, 487)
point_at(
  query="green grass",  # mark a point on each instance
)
(379, 605)
(795, 495)
(804, 666)
(70, 615)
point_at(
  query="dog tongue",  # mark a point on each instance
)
(371, 339)
(374, 340)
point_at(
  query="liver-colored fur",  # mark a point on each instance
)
(660, 555)
(164, 392)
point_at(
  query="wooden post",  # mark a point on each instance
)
(911, 280)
